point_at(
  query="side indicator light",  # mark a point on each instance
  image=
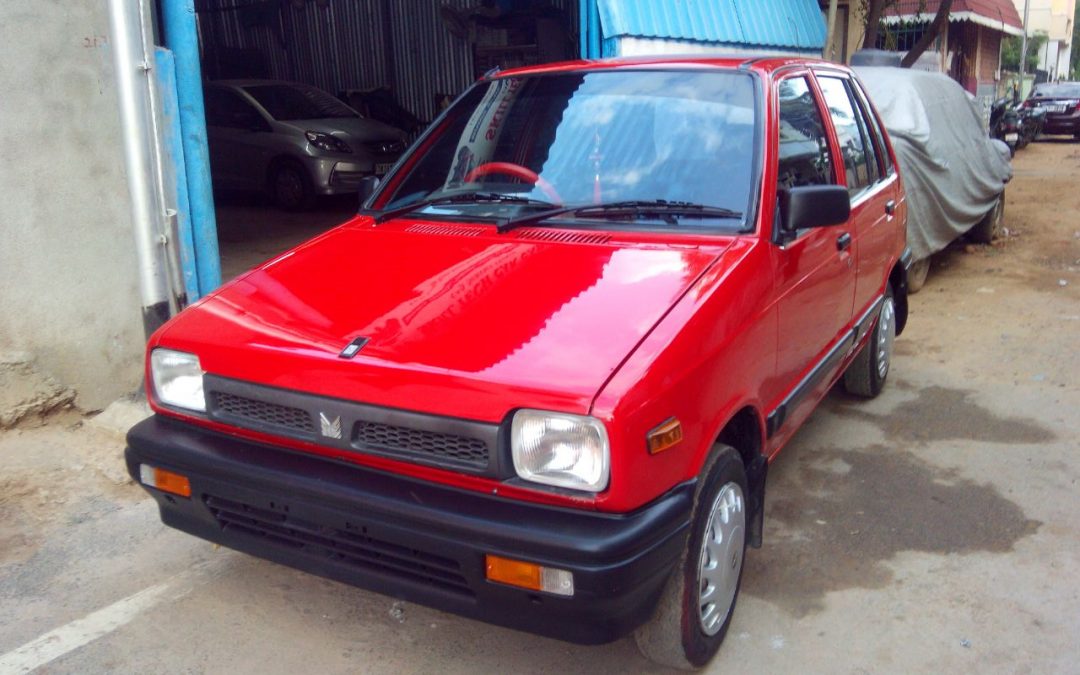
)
(529, 575)
(664, 437)
(163, 480)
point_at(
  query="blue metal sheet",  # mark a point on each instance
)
(788, 24)
(794, 24)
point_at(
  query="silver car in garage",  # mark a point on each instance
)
(292, 140)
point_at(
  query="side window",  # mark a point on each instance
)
(804, 145)
(226, 109)
(873, 169)
(853, 145)
(875, 131)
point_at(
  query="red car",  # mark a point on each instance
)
(539, 379)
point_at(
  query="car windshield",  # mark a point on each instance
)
(675, 139)
(1062, 90)
(298, 102)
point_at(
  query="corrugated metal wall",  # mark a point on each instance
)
(344, 44)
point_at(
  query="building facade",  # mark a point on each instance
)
(1055, 19)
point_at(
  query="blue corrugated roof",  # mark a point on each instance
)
(789, 24)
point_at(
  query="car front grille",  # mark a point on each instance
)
(459, 445)
(404, 441)
(350, 545)
(263, 413)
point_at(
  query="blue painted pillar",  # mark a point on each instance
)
(594, 30)
(181, 37)
(589, 29)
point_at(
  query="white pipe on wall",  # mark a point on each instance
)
(132, 64)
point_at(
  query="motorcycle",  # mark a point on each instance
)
(1005, 123)
(1032, 120)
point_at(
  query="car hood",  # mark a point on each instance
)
(354, 128)
(461, 321)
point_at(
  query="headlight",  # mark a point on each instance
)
(327, 142)
(569, 451)
(178, 379)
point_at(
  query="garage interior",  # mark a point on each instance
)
(396, 61)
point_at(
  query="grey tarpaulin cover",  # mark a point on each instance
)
(953, 172)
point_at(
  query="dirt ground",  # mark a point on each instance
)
(935, 528)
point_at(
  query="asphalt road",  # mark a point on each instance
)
(936, 528)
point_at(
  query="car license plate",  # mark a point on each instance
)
(383, 168)
(1055, 108)
(1012, 138)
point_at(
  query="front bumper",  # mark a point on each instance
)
(336, 177)
(415, 540)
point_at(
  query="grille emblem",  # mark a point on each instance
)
(330, 428)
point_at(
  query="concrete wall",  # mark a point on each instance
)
(68, 286)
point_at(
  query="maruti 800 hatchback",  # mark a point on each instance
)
(539, 379)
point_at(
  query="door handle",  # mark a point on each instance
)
(843, 241)
(890, 207)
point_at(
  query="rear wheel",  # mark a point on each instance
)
(866, 375)
(697, 604)
(992, 224)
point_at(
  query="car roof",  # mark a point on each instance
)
(765, 63)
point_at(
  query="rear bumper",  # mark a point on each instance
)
(1062, 124)
(414, 540)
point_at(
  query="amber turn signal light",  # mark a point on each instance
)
(528, 575)
(163, 480)
(666, 436)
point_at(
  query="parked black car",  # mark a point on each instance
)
(1061, 101)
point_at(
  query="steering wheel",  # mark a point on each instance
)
(517, 171)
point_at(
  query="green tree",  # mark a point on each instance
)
(1010, 52)
(1074, 58)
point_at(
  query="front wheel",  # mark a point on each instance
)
(290, 186)
(866, 375)
(697, 604)
(917, 274)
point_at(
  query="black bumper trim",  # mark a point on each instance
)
(414, 540)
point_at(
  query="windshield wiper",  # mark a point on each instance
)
(463, 198)
(668, 211)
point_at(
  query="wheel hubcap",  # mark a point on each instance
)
(721, 558)
(886, 336)
(289, 187)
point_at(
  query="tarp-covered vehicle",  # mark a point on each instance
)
(954, 174)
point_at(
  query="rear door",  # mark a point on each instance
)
(237, 136)
(872, 183)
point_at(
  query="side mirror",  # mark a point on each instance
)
(813, 206)
(367, 187)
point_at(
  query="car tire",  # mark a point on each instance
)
(684, 633)
(866, 375)
(917, 274)
(290, 186)
(991, 225)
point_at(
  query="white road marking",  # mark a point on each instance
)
(67, 638)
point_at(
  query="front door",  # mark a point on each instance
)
(816, 269)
